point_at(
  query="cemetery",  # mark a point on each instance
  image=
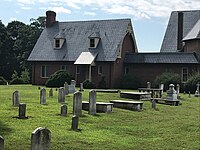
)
(32, 119)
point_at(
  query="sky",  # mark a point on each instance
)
(149, 17)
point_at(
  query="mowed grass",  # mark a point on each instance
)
(170, 128)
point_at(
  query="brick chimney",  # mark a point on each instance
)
(50, 18)
(180, 32)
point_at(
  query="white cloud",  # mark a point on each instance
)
(140, 9)
(90, 13)
(13, 19)
(60, 10)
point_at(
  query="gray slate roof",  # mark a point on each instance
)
(111, 33)
(190, 18)
(165, 58)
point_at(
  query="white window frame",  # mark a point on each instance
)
(184, 74)
(100, 70)
(63, 67)
(57, 40)
(44, 73)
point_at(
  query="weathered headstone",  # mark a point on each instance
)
(16, 98)
(72, 88)
(148, 85)
(43, 96)
(40, 139)
(171, 93)
(74, 123)
(1, 143)
(178, 90)
(66, 87)
(22, 111)
(61, 95)
(92, 102)
(153, 104)
(197, 92)
(51, 92)
(77, 104)
(81, 87)
(63, 110)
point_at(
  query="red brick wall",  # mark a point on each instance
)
(192, 46)
(148, 72)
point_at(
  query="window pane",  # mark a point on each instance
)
(43, 71)
(57, 43)
(92, 43)
(100, 69)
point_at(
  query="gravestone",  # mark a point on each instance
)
(63, 110)
(81, 87)
(74, 123)
(40, 139)
(171, 93)
(61, 95)
(1, 143)
(178, 90)
(197, 92)
(92, 102)
(77, 104)
(66, 87)
(72, 88)
(16, 98)
(154, 104)
(51, 92)
(189, 95)
(22, 111)
(161, 87)
(148, 85)
(43, 96)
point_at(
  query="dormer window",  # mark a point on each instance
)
(57, 43)
(94, 39)
(92, 43)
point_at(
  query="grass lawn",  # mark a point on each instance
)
(170, 128)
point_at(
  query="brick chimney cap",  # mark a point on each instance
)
(50, 12)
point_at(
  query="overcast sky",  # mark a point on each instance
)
(149, 17)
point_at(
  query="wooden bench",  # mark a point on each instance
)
(101, 107)
(166, 101)
(136, 95)
(130, 105)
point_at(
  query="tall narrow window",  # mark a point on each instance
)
(44, 73)
(57, 43)
(92, 42)
(184, 74)
(78, 70)
(100, 70)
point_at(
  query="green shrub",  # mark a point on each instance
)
(167, 79)
(88, 84)
(58, 79)
(191, 83)
(102, 83)
(2, 81)
(17, 81)
(129, 82)
(25, 76)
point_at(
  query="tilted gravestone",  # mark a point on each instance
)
(22, 111)
(40, 139)
(16, 98)
(1, 143)
(74, 123)
(171, 93)
(63, 110)
(77, 104)
(43, 96)
(92, 102)
(61, 95)
(162, 88)
(51, 92)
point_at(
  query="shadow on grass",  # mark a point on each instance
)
(4, 129)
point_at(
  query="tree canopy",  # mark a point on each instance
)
(17, 40)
